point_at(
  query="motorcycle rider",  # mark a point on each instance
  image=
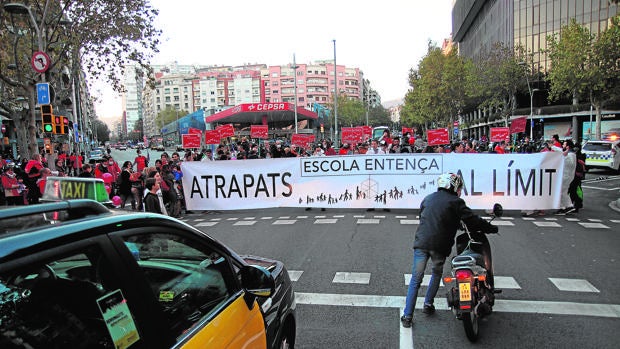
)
(440, 216)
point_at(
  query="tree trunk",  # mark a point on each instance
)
(598, 121)
(30, 125)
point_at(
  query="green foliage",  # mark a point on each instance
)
(437, 91)
(586, 66)
(570, 54)
(168, 115)
(94, 38)
(101, 130)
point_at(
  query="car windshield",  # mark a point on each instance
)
(597, 147)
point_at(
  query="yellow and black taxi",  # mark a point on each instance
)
(75, 274)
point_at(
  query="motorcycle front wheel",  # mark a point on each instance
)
(470, 323)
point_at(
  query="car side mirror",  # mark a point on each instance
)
(256, 282)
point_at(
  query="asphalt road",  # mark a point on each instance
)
(351, 267)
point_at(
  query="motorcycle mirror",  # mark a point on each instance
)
(498, 210)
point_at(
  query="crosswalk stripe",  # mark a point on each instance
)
(547, 224)
(245, 223)
(326, 221)
(409, 221)
(206, 224)
(593, 225)
(342, 277)
(501, 305)
(284, 221)
(368, 221)
(573, 285)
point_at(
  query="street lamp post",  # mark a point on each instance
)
(295, 88)
(531, 91)
(18, 8)
(335, 97)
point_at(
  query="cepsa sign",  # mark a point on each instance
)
(266, 106)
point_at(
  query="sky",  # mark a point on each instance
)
(385, 39)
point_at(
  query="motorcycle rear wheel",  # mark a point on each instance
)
(470, 323)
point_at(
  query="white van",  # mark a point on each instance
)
(602, 154)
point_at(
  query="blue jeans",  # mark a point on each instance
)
(420, 258)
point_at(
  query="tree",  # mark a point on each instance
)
(437, 91)
(351, 112)
(96, 37)
(168, 115)
(496, 78)
(583, 65)
(101, 131)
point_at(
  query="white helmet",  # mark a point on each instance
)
(449, 181)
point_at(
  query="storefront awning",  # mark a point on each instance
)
(258, 113)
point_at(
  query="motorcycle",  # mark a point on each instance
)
(471, 292)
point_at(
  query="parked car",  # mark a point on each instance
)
(96, 155)
(613, 134)
(122, 147)
(74, 274)
(602, 154)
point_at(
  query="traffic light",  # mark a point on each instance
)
(48, 148)
(65, 125)
(47, 118)
(322, 129)
(58, 129)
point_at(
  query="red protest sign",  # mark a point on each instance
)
(226, 130)
(191, 140)
(259, 131)
(302, 140)
(499, 134)
(351, 135)
(194, 131)
(407, 130)
(212, 137)
(438, 136)
(518, 125)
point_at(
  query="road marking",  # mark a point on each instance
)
(326, 221)
(501, 305)
(593, 225)
(284, 217)
(295, 274)
(232, 218)
(245, 223)
(359, 216)
(206, 224)
(501, 282)
(300, 217)
(377, 217)
(406, 334)
(401, 217)
(368, 221)
(547, 224)
(266, 217)
(573, 219)
(504, 223)
(339, 216)
(595, 220)
(615, 221)
(342, 277)
(506, 282)
(216, 219)
(284, 221)
(574, 285)
(249, 218)
(320, 216)
(409, 221)
(199, 220)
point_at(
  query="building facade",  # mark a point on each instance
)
(478, 24)
(216, 88)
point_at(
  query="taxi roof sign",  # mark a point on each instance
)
(67, 188)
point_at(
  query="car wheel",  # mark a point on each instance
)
(286, 341)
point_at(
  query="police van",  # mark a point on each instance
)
(602, 154)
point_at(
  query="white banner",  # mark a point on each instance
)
(517, 181)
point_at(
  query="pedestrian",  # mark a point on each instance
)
(33, 170)
(374, 148)
(575, 191)
(124, 185)
(140, 161)
(440, 215)
(87, 171)
(570, 164)
(13, 186)
(152, 201)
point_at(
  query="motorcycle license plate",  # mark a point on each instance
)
(465, 292)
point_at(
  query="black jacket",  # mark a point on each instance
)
(440, 216)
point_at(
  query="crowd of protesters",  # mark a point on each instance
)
(24, 183)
